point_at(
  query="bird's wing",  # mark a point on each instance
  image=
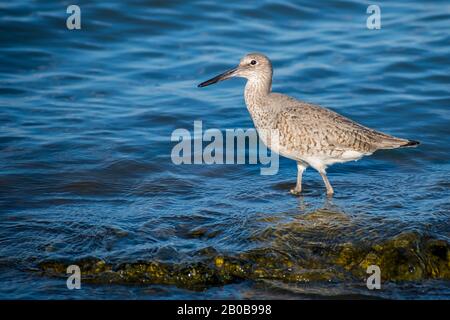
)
(317, 125)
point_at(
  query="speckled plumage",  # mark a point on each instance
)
(309, 134)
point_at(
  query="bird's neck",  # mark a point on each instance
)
(256, 98)
(256, 92)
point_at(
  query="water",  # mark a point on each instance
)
(86, 175)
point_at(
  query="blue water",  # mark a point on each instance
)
(86, 118)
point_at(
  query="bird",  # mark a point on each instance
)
(309, 134)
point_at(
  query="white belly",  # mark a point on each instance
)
(321, 162)
(318, 162)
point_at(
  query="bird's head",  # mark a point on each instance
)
(253, 66)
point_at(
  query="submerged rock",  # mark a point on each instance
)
(407, 256)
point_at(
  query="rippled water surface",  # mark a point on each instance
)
(86, 176)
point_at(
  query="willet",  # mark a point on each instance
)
(309, 134)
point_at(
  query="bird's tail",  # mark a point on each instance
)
(410, 143)
(390, 142)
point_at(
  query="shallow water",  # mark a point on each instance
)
(85, 124)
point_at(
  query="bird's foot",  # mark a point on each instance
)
(296, 191)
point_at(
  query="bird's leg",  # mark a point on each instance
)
(301, 166)
(330, 190)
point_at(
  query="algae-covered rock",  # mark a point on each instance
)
(405, 257)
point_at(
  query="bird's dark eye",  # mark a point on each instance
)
(253, 62)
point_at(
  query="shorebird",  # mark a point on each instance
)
(309, 134)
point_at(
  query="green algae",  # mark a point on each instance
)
(321, 246)
(407, 256)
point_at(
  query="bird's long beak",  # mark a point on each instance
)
(223, 76)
